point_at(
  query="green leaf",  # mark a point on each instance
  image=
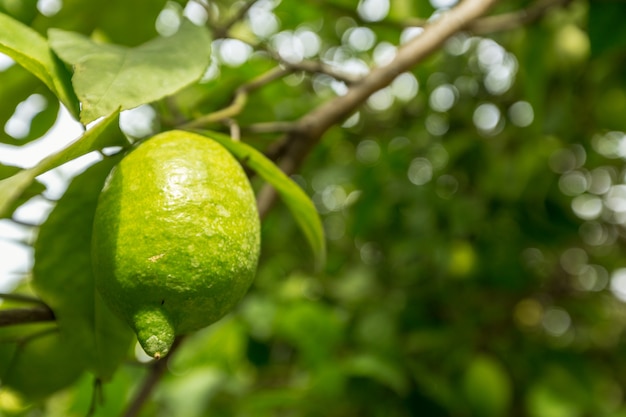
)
(559, 392)
(108, 77)
(133, 27)
(103, 134)
(313, 328)
(294, 197)
(43, 364)
(68, 287)
(29, 49)
(30, 191)
(487, 387)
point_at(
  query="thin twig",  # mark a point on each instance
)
(13, 316)
(317, 67)
(271, 127)
(96, 397)
(508, 21)
(237, 105)
(21, 298)
(235, 130)
(266, 78)
(296, 145)
(222, 31)
(240, 100)
(157, 370)
(504, 21)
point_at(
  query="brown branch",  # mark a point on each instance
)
(156, 371)
(10, 317)
(317, 67)
(505, 21)
(21, 298)
(508, 21)
(296, 145)
(271, 127)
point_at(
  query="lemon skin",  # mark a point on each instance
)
(176, 237)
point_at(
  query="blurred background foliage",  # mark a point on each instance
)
(474, 211)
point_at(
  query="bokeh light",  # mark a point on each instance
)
(420, 171)
(521, 114)
(618, 284)
(487, 118)
(49, 8)
(232, 52)
(405, 87)
(373, 10)
(18, 125)
(360, 38)
(443, 97)
(261, 19)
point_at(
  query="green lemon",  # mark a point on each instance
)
(176, 237)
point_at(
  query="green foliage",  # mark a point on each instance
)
(42, 364)
(604, 18)
(96, 338)
(110, 77)
(31, 50)
(298, 202)
(102, 135)
(467, 220)
(487, 387)
(32, 189)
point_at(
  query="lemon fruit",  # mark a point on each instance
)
(176, 237)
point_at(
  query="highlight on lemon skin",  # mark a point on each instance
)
(176, 237)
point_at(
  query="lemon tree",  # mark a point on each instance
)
(313, 208)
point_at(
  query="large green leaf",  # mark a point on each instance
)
(42, 364)
(29, 49)
(108, 77)
(132, 27)
(31, 190)
(63, 276)
(296, 200)
(101, 135)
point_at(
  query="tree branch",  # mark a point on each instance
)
(317, 67)
(297, 144)
(240, 100)
(271, 127)
(508, 21)
(10, 317)
(157, 370)
(505, 21)
(21, 298)
(222, 31)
